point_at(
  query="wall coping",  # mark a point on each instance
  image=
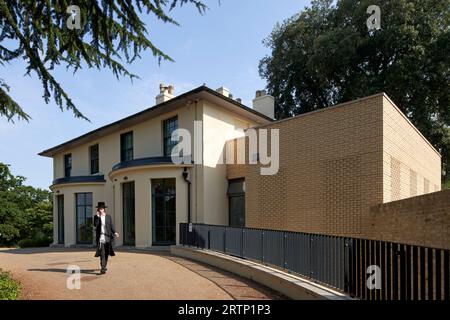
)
(423, 199)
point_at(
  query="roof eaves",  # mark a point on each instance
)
(51, 151)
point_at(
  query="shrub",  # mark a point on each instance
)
(9, 288)
(26, 243)
(29, 243)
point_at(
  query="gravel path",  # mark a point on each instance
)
(131, 275)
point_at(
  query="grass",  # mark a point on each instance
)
(9, 288)
(446, 185)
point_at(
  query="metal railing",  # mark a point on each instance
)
(401, 272)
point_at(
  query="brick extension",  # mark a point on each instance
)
(335, 164)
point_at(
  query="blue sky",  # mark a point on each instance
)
(222, 47)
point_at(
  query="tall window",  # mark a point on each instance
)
(67, 165)
(60, 204)
(128, 214)
(169, 126)
(236, 202)
(84, 218)
(93, 151)
(126, 146)
(164, 211)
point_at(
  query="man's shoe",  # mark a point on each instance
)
(103, 271)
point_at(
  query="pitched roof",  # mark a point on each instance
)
(201, 92)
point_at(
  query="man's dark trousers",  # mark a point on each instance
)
(104, 249)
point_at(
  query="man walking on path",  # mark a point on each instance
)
(104, 235)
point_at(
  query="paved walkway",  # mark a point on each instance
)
(131, 275)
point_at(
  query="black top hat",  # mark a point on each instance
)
(101, 205)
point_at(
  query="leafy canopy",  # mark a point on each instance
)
(326, 55)
(112, 33)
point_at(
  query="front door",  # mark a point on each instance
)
(164, 213)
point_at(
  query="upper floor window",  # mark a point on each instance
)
(94, 155)
(169, 126)
(67, 165)
(126, 146)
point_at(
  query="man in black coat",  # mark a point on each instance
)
(104, 235)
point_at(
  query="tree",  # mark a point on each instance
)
(25, 212)
(326, 55)
(37, 31)
(39, 223)
(10, 212)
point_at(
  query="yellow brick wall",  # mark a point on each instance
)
(410, 165)
(335, 164)
(330, 171)
(423, 220)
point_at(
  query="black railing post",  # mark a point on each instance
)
(284, 251)
(194, 234)
(183, 234)
(242, 242)
(262, 246)
(402, 253)
(346, 266)
(186, 233)
(224, 239)
(311, 272)
(209, 237)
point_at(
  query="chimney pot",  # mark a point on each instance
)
(260, 93)
(165, 93)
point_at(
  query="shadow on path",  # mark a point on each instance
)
(85, 271)
(237, 287)
(44, 250)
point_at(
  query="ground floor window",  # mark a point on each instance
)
(164, 211)
(84, 218)
(128, 214)
(60, 208)
(236, 202)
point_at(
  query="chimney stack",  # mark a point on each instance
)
(165, 93)
(264, 103)
(224, 91)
